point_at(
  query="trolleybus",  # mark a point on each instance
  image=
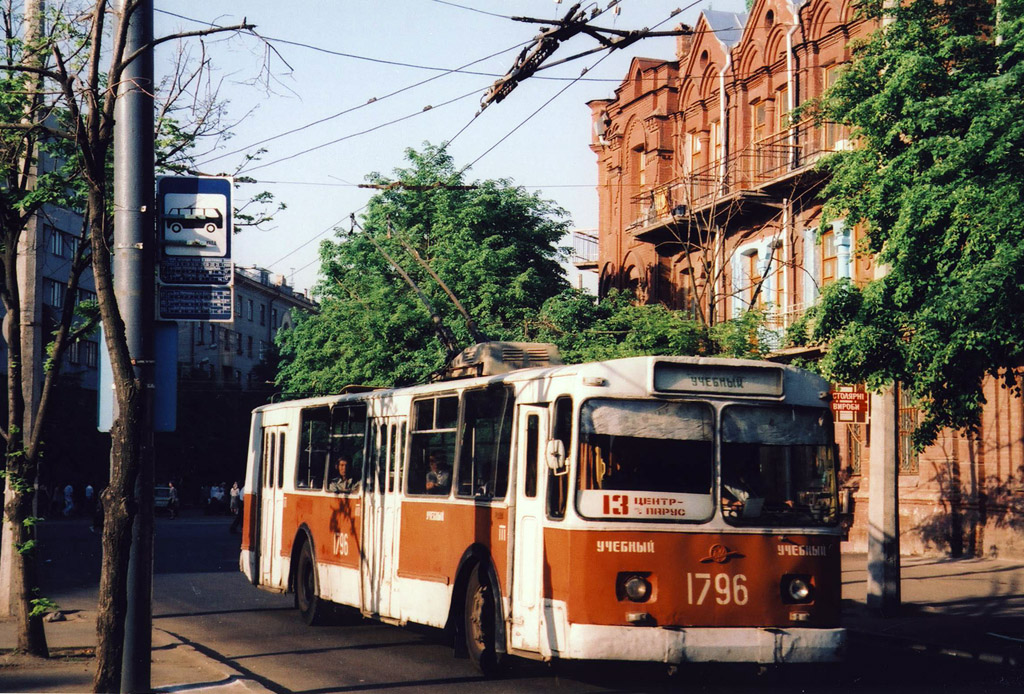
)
(665, 509)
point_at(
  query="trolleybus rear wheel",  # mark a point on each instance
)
(311, 607)
(478, 624)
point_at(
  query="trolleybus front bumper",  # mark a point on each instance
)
(705, 644)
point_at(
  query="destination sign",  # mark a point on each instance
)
(727, 380)
(608, 503)
(195, 303)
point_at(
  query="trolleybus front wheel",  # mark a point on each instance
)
(478, 624)
(312, 609)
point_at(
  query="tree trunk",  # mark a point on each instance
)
(119, 512)
(24, 571)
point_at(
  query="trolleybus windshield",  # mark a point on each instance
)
(778, 466)
(644, 460)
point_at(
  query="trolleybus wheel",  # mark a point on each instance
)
(312, 609)
(478, 624)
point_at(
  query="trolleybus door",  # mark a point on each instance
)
(528, 554)
(389, 533)
(271, 500)
(378, 500)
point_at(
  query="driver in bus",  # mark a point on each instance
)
(741, 494)
(342, 482)
(439, 478)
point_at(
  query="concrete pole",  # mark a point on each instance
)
(134, 257)
(883, 585)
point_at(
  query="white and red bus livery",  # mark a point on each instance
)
(664, 509)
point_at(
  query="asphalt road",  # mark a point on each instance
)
(200, 596)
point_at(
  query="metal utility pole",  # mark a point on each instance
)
(134, 249)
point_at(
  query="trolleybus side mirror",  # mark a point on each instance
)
(556, 457)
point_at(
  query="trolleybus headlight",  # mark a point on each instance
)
(635, 587)
(797, 588)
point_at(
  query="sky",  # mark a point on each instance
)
(340, 89)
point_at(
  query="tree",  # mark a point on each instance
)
(490, 242)
(932, 97)
(76, 120)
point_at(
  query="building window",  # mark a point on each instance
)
(86, 295)
(75, 353)
(716, 142)
(213, 335)
(54, 293)
(760, 121)
(693, 150)
(273, 318)
(249, 311)
(263, 314)
(249, 339)
(908, 420)
(829, 258)
(754, 277)
(263, 350)
(856, 441)
(832, 131)
(238, 307)
(201, 332)
(782, 109)
(56, 241)
(92, 352)
(238, 342)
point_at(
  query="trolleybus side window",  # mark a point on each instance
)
(486, 442)
(558, 483)
(268, 459)
(778, 466)
(532, 455)
(645, 460)
(348, 435)
(280, 461)
(433, 438)
(314, 446)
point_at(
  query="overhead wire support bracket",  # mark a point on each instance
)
(575, 22)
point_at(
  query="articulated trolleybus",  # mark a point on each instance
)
(663, 509)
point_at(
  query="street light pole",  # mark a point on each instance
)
(134, 247)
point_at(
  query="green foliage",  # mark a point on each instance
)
(587, 330)
(745, 337)
(492, 243)
(934, 100)
(40, 606)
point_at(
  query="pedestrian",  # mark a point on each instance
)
(89, 498)
(97, 517)
(172, 500)
(237, 496)
(69, 499)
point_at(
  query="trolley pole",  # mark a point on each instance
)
(134, 244)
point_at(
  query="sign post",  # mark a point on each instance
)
(196, 275)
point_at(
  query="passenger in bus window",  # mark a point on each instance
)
(342, 482)
(439, 477)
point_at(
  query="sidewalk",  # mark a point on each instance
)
(967, 608)
(177, 666)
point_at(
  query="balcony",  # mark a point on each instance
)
(584, 249)
(743, 176)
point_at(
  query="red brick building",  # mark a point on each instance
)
(709, 203)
